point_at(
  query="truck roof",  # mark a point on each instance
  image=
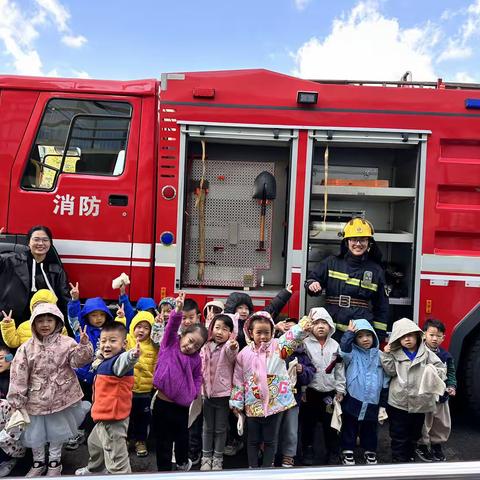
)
(85, 85)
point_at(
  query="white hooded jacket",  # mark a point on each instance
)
(323, 356)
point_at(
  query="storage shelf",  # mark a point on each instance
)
(389, 237)
(379, 194)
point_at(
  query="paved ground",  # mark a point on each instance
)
(462, 446)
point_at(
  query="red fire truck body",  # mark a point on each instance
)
(107, 165)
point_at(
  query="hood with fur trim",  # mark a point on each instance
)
(320, 313)
(43, 296)
(92, 304)
(142, 316)
(400, 328)
(50, 309)
(248, 322)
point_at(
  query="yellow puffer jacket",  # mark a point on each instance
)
(145, 366)
(14, 337)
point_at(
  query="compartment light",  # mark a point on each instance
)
(167, 238)
(307, 98)
(203, 93)
(472, 103)
(169, 192)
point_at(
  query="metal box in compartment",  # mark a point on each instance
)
(232, 219)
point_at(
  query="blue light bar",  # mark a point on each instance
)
(472, 103)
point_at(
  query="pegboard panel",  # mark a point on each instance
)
(229, 200)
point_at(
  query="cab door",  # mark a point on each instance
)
(76, 173)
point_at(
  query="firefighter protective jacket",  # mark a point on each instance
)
(361, 279)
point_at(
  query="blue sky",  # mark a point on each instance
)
(125, 39)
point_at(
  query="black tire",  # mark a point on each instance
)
(472, 378)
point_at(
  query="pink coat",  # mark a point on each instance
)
(42, 376)
(219, 384)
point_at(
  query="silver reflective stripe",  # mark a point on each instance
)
(450, 264)
(246, 133)
(340, 135)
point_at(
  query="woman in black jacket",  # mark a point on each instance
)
(23, 273)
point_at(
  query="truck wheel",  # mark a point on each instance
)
(472, 378)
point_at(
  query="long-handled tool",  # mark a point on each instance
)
(265, 189)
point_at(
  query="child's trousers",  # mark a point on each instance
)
(140, 417)
(215, 424)
(262, 430)
(169, 425)
(314, 410)
(437, 426)
(289, 432)
(405, 432)
(107, 447)
(351, 427)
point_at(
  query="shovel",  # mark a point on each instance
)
(265, 188)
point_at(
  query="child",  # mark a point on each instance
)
(10, 446)
(261, 386)
(43, 382)
(190, 313)
(365, 380)
(301, 372)
(144, 304)
(211, 309)
(165, 306)
(404, 358)
(13, 336)
(328, 382)
(218, 359)
(112, 402)
(140, 329)
(92, 317)
(178, 378)
(437, 426)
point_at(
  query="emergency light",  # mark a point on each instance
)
(472, 103)
(307, 98)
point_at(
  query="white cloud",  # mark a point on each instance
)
(454, 51)
(74, 41)
(57, 12)
(301, 4)
(80, 74)
(463, 77)
(367, 45)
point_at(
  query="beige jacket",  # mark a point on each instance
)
(407, 374)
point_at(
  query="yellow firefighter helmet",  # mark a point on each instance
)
(358, 227)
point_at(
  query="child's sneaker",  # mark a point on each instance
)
(287, 462)
(54, 469)
(74, 442)
(37, 470)
(194, 457)
(206, 464)
(141, 449)
(7, 467)
(370, 458)
(232, 449)
(185, 467)
(217, 463)
(348, 458)
(424, 453)
(85, 471)
(438, 454)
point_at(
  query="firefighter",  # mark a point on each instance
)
(354, 280)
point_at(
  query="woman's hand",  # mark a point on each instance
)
(315, 287)
(179, 301)
(74, 292)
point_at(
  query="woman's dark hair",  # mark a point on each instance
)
(41, 228)
(196, 327)
(259, 319)
(228, 322)
(374, 253)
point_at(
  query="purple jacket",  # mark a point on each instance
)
(177, 376)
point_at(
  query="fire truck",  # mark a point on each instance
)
(163, 179)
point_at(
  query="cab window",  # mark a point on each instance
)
(79, 137)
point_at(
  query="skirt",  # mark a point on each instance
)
(55, 427)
